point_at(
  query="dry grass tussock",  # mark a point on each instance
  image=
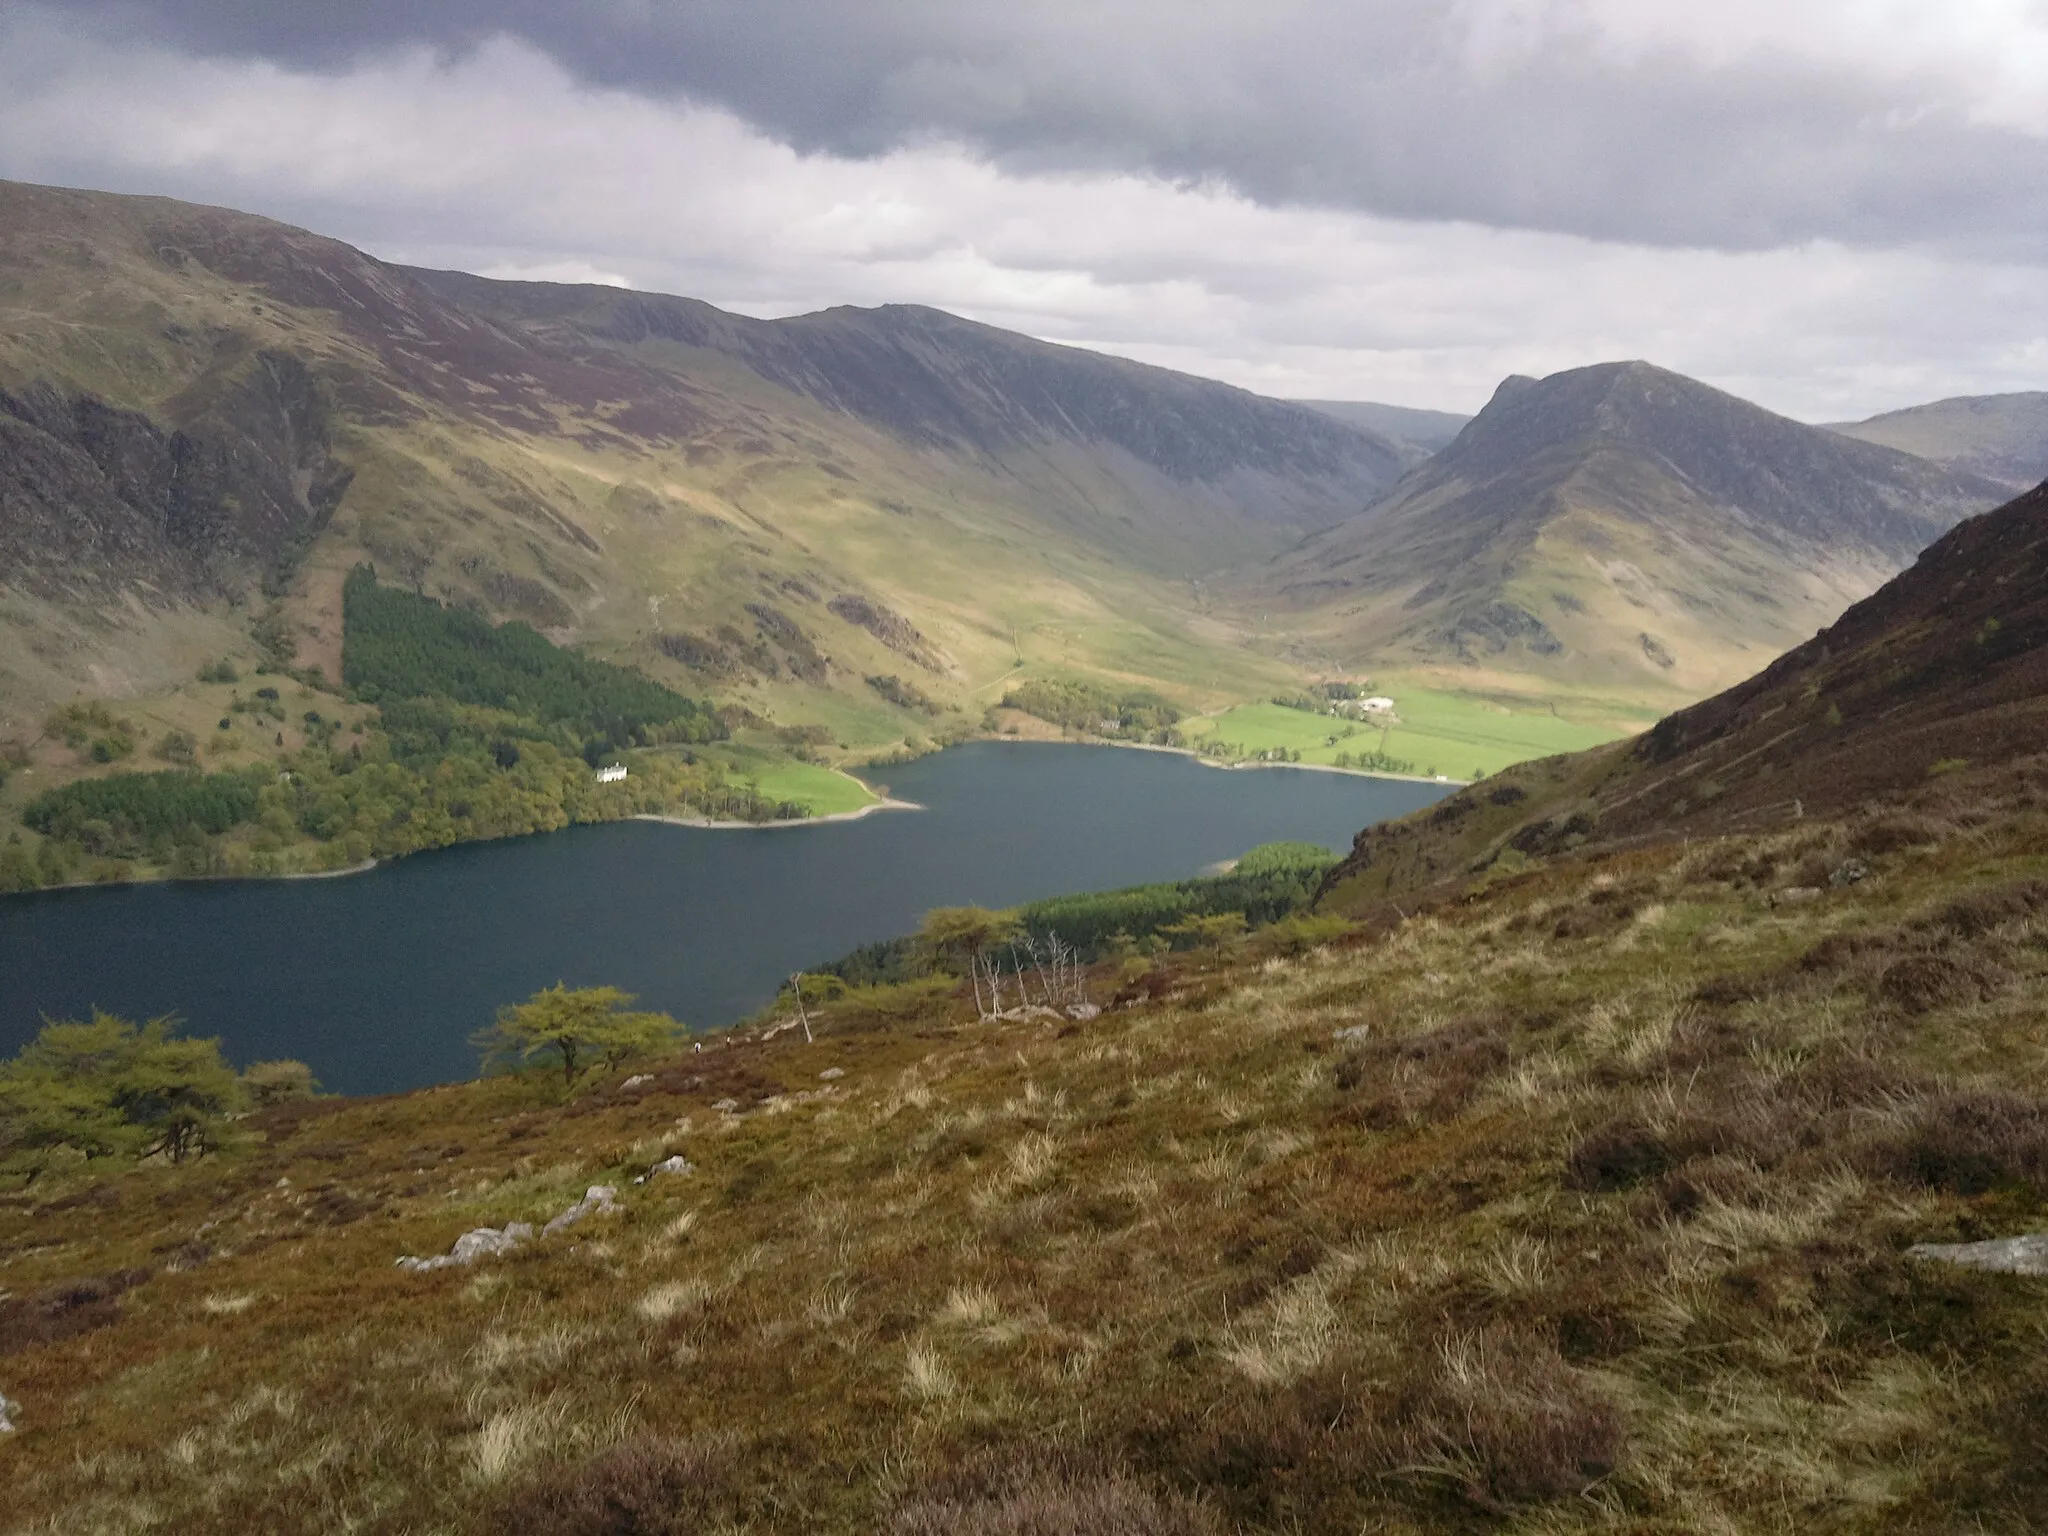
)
(1541, 1213)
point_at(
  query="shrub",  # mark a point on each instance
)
(1971, 1141)
(1006, 1493)
(1502, 1415)
(648, 1485)
(278, 1082)
(1432, 1075)
(1923, 983)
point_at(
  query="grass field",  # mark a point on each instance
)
(826, 791)
(1457, 735)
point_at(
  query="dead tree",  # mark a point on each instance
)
(796, 988)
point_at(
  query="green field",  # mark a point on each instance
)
(1457, 735)
(826, 791)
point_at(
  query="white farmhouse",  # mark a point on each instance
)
(1378, 704)
(611, 774)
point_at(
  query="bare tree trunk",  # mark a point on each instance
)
(796, 986)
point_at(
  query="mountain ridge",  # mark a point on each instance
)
(1942, 669)
(616, 469)
(1624, 523)
(2004, 437)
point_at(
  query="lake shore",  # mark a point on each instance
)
(1206, 762)
(705, 824)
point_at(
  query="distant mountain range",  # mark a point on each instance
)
(199, 403)
(206, 418)
(2002, 437)
(1618, 526)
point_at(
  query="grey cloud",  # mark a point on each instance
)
(1376, 107)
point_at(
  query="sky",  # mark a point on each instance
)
(1832, 207)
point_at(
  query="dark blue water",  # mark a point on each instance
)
(378, 980)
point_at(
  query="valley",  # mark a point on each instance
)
(856, 535)
(1586, 1120)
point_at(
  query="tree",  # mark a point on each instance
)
(1213, 930)
(965, 933)
(579, 1026)
(105, 1087)
(276, 1082)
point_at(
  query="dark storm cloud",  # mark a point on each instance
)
(1400, 107)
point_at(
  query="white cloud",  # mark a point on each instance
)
(498, 161)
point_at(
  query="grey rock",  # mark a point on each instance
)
(1083, 1011)
(1849, 872)
(832, 1074)
(1352, 1032)
(1793, 895)
(8, 1409)
(726, 1106)
(599, 1199)
(636, 1082)
(678, 1164)
(2007, 1255)
(483, 1242)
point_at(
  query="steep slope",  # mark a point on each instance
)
(201, 404)
(1920, 690)
(1173, 471)
(1426, 431)
(1595, 1204)
(2003, 437)
(1619, 526)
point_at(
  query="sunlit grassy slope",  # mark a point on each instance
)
(1458, 735)
(1578, 1206)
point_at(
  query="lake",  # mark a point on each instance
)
(378, 980)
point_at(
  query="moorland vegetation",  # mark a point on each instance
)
(1534, 1210)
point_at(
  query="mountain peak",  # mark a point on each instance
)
(1621, 523)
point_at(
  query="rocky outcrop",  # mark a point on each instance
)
(490, 1242)
(2004, 1255)
(94, 498)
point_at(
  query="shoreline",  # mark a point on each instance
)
(706, 824)
(304, 874)
(1153, 746)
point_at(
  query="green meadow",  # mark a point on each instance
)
(1460, 736)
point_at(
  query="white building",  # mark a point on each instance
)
(612, 774)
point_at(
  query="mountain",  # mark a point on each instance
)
(1617, 526)
(207, 418)
(1426, 431)
(1170, 470)
(2002, 437)
(1942, 671)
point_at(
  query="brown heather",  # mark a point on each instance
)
(1593, 1218)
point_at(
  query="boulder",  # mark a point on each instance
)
(2006, 1255)
(484, 1242)
(8, 1409)
(599, 1199)
(676, 1164)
